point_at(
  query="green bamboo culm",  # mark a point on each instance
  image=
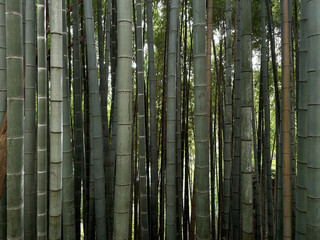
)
(144, 225)
(301, 204)
(15, 115)
(56, 98)
(228, 126)
(96, 135)
(201, 121)
(3, 81)
(67, 166)
(246, 124)
(313, 124)
(285, 127)
(78, 118)
(124, 121)
(29, 123)
(42, 133)
(3, 108)
(153, 124)
(178, 138)
(236, 231)
(171, 122)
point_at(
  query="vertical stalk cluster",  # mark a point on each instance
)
(185, 126)
(103, 85)
(96, 134)
(106, 150)
(257, 188)
(105, 124)
(266, 142)
(114, 110)
(153, 124)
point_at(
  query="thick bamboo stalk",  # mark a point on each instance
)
(286, 125)
(227, 128)
(124, 120)
(171, 123)
(302, 95)
(15, 126)
(56, 97)
(3, 107)
(246, 126)
(313, 133)
(201, 122)
(236, 133)
(178, 134)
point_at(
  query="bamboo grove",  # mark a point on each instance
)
(159, 119)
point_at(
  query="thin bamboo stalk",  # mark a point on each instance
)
(42, 133)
